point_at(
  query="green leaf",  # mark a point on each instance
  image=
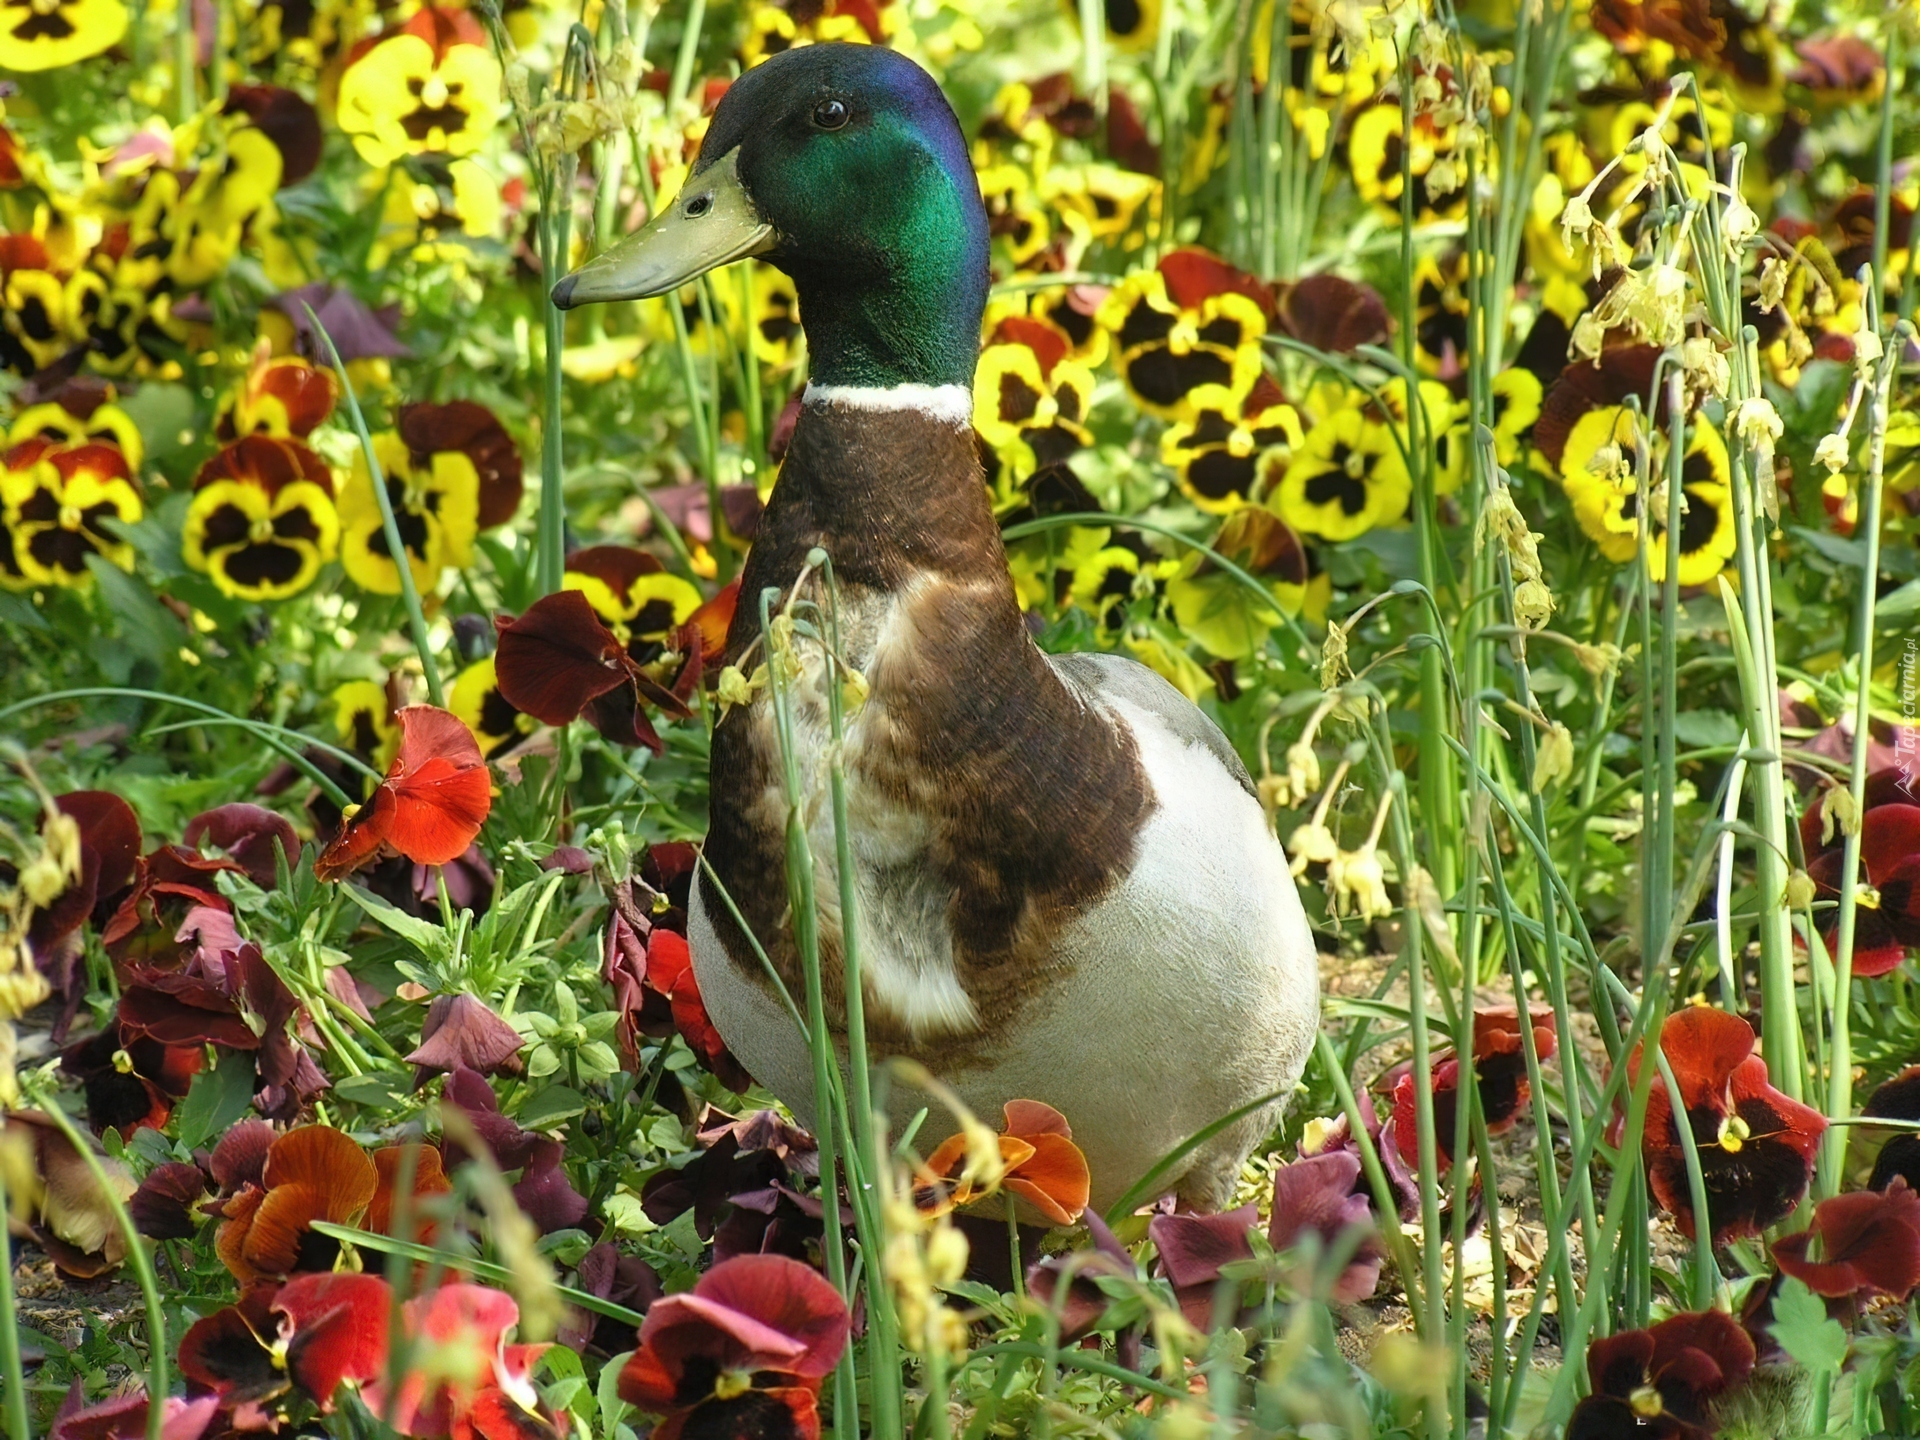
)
(551, 1106)
(1899, 605)
(426, 937)
(379, 1090)
(1850, 553)
(1698, 729)
(612, 1408)
(18, 610)
(216, 1101)
(150, 630)
(1801, 1325)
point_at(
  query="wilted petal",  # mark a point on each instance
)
(461, 1031)
(250, 834)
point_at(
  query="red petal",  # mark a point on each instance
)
(1194, 276)
(338, 1331)
(792, 1298)
(362, 834)
(110, 829)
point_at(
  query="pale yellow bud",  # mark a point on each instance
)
(1838, 810)
(1832, 452)
(1800, 890)
(1553, 759)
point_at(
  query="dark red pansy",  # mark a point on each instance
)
(1499, 1067)
(130, 1082)
(240, 1159)
(251, 835)
(229, 1352)
(1320, 1195)
(1862, 1244)
(559, 661)
(1888, 927)
(1084, 1302)
(744, 1352)
(1899, 1157)
(168, 883)
(163, 1206)
(1193, 1248)
(1332, 314)
(473, 431)
(1756, 1146)
(435, 798)
(109, 857)
(460, 1030)
(543, 1190)
(1660, 1383)
(604, 1273)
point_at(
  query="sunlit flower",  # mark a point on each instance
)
(1377, 150)
(54, 502)
(1193, 320)
(744, 1352)
(82, 411)
(313, 1173)
(47, 34)
(1014, 216)
(451, 471)
(1756, 1146)
(1099, 202)
(1348, 477)
(286, 398)
(363, 719)
(1038, 1162)
(1235, 447)
(1030, 401)
(429, 808)
(262, 520)
(433, 85)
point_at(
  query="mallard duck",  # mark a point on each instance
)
(1069, 890)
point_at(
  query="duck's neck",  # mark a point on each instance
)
(891, 488)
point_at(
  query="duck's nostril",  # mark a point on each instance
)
(698, 206)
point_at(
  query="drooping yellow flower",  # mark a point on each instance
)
(435, 508)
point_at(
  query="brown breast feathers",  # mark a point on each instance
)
(1020, 805)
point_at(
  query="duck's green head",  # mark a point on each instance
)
(842, 165)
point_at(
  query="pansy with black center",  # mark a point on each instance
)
(47, 34)
(1127, 24)
(56, 501)
(635, 596)
(743, 1353)
(432, 85)
(1756, 1145)
(1074, 311)
(1597, 471)
(1381, 157)
(1236, 445)
(1661, 1383)
(477, 700)
(1016, 219)
(1499, 1070)
(1119, 580)
(262, 520)
(34, 306)
(363, 712)
(204, 229)
(81, 410)
(1349, 476)
(313, 1173)
(1100, 202)
(1030, 401)
(1217, 610)
(1440, 312)
(1887, 914)
(1192, 320)
(451, 471)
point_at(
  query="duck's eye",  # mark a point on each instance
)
(698, 206)
(831, 114)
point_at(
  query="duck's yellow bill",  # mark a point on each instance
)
(712, 222)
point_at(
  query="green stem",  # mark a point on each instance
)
(390, 527)
(12, 1374)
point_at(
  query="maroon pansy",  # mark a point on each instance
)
(250, 835)
(1899, 1157)
(461, 1031)
(1332, 314)
(743, 1353)
(1756, 1146)
(1660, 1383)
(1194, 1248)
(1499, 1067)
(606, 1274)
(1084, 1303)
(227, 1353)
(240, 1159)
(125, 1418)
(543, 1190)
(163, 1206)
(1319, 1196)
(1888, 927)
(109, 856)
(559, 661)
(1860, 1244)
(168, 883)
(130, 1083)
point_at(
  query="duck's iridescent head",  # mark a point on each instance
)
(842, 165)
